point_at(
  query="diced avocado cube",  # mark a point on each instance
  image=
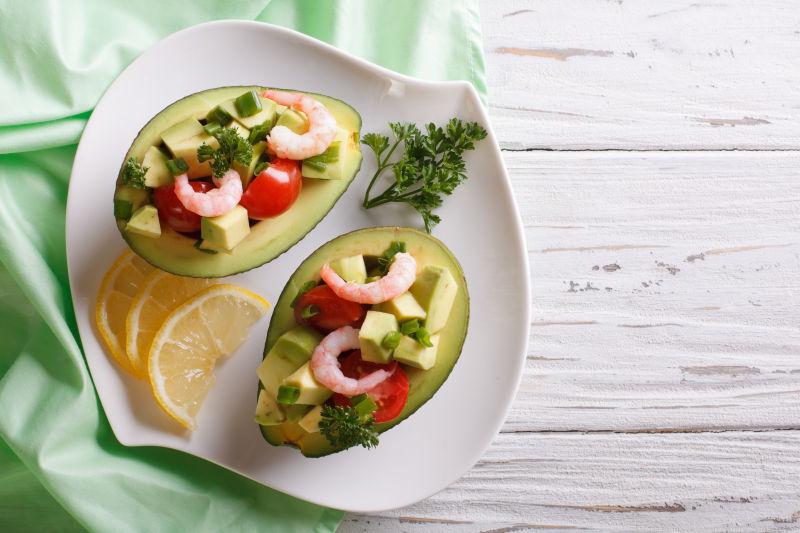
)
(289, 352)
(292, 432)
(287, 394)
(310, 422)
(211, 248)
(296, 412)
(246, 172)
(332, 170)
(226, 230)
(145, 222)
(404, 307)
(294, 120)
(137, 197)
(187, 150)
(267, 411)
(351, 268)
(247, 104)
(157, 172)
(412, 353)
(222, 114)
(375, 327)
(267, 115)
(312, 392)
(435, 290)
(181, 131)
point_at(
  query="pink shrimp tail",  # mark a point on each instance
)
(398, 280)
(327, 370)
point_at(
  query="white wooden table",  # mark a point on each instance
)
(654, 147)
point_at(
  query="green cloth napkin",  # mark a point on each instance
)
(61, 469)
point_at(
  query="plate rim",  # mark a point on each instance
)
(519, 242)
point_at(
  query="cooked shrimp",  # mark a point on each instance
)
(325, 364)
(321, 127)
(401, 275)
(214, 202)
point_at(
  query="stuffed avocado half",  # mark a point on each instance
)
(169, 145)
(291, 401)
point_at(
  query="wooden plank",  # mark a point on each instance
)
(734, 481)
(665, 290)
(673, 74)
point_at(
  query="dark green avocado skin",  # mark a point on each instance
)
(175, 253)
(373, 241)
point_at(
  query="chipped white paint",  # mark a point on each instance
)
(662, 387)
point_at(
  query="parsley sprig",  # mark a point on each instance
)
(344, 428)
(432, 164)
(232, 147)
(133, 173)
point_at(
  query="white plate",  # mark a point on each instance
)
(480, 224)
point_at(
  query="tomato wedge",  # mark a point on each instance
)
(171, 211)
(331, 311)
(274, 190)
(390, 396)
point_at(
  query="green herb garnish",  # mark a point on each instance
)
(344, 428)
(309, 311)
(232, 148)
(432, 164)
(287, 394)
(177, 166)
(391, 340)
(307, 286)
(385, 260)
(409, 327)
(133, 173)
(423, 337)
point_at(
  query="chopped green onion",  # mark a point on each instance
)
(309, 311)
(287, 394)
(363, 405)
(248, 104)
(316, 165)
(123, 209)
(409, 326)
(423, 337)
(212, 127)
(330, 155)
(260, 167)
(391, 340)
(220, 116)
(307, 286)
(197, 245)
(177, 166)
(259, 133)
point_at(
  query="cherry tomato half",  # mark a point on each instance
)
(390, 396)
(274, 190)
(171, 211)
(332, 312)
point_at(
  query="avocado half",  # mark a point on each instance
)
(176, 252)
(423, 384)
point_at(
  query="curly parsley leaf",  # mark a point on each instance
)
(133, 173)
(431, 166)
(344, 428)
(385, 260)
(232, 148)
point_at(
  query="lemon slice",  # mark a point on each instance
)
(185, 349)
(117, 290)
(160, 293)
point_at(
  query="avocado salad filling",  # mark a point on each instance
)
(365, 339)
(227, 179)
